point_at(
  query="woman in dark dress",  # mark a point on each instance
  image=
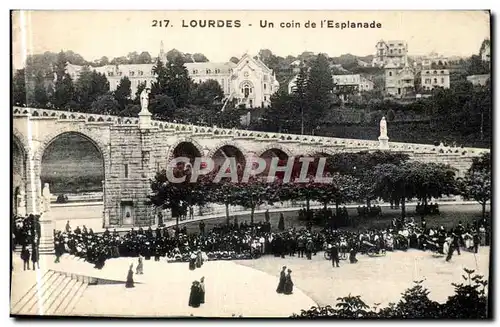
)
(192, 261)
(130, 278)
(281, 284)
(202, 290)
(288, 283)
(195, 296)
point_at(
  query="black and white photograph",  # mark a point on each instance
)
(251, 164)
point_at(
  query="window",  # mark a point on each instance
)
(157, 166)
(195, 71)
(442, 72)
(435, 72)
(442, 80)
(140, 72)
(126, 170)
(110, 73)
(131, 73)
(265, 86)
(390, 73)
(399, 50)
(209, 71)
(217, 71)
(265, 98)
(390, 51)
(435, 80)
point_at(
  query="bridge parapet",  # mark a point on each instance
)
(217, 132)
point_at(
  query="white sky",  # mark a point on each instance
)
(94, 34)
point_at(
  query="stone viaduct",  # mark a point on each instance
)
(133, 150)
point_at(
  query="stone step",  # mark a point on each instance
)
(56, 294)
(45, 292)
(65, 302)
(70, 287)
(68, 309)
(30, 297)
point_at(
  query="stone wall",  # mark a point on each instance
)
(133, 155)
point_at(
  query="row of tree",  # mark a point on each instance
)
(356, 177)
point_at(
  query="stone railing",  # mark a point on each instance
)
(76, 116)
(322, 141)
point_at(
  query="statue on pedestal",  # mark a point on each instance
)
(144, 97)
(383, 128)
(46, 198)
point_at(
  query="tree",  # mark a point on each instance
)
(174, 54)
(477, 181)
(104, 61)
(234, 60)
(162, 106)
(19, 88)
(300, 95)
(64, 92)
(41, 97)
(144, 58)
(123, 91)
(318, 89)
(200, 57)
(119, 61)
(255, 193)
(131, 110)
(133, 57)
(89, 87)
(178, 82)
(140, 87)
(105, 105)
(477, 185)
(207, 93)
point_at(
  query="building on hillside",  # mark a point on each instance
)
(431, 79)
(434, 60)
(480, 80)
(399, 82)
(484, 52)
(362, 63)
(394, 52)
(292, 84)
(346, 86)
(249, 81)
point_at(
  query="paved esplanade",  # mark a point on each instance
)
(133, 149)
(248, 287)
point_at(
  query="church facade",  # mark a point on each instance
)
(249, 82)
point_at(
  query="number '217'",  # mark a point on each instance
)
(160, 23)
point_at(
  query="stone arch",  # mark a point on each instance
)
(87, 134)
(91, 136)
(231, 144)
(19, 171)
(170, 153)
(223, 144)
(276, 146)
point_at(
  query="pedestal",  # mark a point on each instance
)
(145, 120)
(46, 245)
(383, 142)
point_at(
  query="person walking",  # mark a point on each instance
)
(195, 295)
(288, 283)
(281, 284)
(334, 253)
(202, 290)
(130, 277)
(140, 268)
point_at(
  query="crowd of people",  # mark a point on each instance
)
(249, 241)
(26, 234)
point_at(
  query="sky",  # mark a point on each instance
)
(94, 34)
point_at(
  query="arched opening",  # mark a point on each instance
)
(225, 152)
(268, 156)
(18, 178)
(73, 166)
(186, 149)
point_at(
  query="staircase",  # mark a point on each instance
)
(56, 293)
